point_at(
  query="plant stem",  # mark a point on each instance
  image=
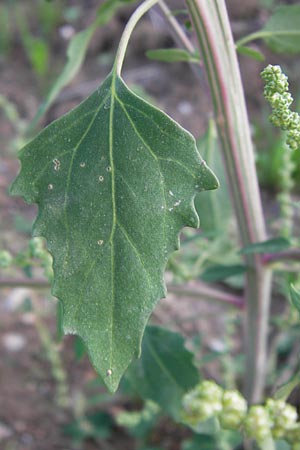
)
(54, 357)
(131, 24)
(213, 30)
(201, 291)
(264, 34)
(292, 254)
(180, 34)
(24, 282)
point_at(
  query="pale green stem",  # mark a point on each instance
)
(182, 37)
(203, 291)
(213, 30)
(265, 34)
(31, 283)
(131, 24)
(54, 357)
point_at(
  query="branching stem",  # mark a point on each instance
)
(264, 34)
(180, 34)
(213, 30)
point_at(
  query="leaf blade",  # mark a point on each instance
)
(165, 371)
(282, 29)
(273, 245)
(105, 177)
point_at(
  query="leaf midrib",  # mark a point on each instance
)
(162, 365)
(113, 194)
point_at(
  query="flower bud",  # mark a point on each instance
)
(293, 434)
(276, 92)
(201, 403)
(234, 410)
(258, 423)
(282, 415)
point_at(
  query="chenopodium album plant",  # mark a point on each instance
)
(115, 181)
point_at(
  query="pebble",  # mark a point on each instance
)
(13, 342)
(5, 432)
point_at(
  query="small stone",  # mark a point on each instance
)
(5, 432)
(13, 342)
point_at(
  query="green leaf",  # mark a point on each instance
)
(38, 53)
(220, 272)
(165, 371)
(295, 297)
(284, 391)
(76, 52)
(282, 30)
(106, 11)
(251, 52)
(172, 55)
(270, 246)
(75, 55)
(115, 181)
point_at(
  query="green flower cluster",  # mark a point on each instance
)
(5, 259)
(276, 419)
(276, 91)
(201, 403)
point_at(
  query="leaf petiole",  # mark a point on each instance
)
(131, 24)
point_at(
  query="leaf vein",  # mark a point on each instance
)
(149, 118)
(179, 164)
(67, 228)
(136, 251)
(163, 189)
(162, 365)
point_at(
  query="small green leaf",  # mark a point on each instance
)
(172, 55)
(295, 298)
(115, 181)
(220, 272)
(76, 52)
(251, 52)
(165, 371)
(282, 30)
(106, 11)
(75, 55)
(284, 391)
(270, 246)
